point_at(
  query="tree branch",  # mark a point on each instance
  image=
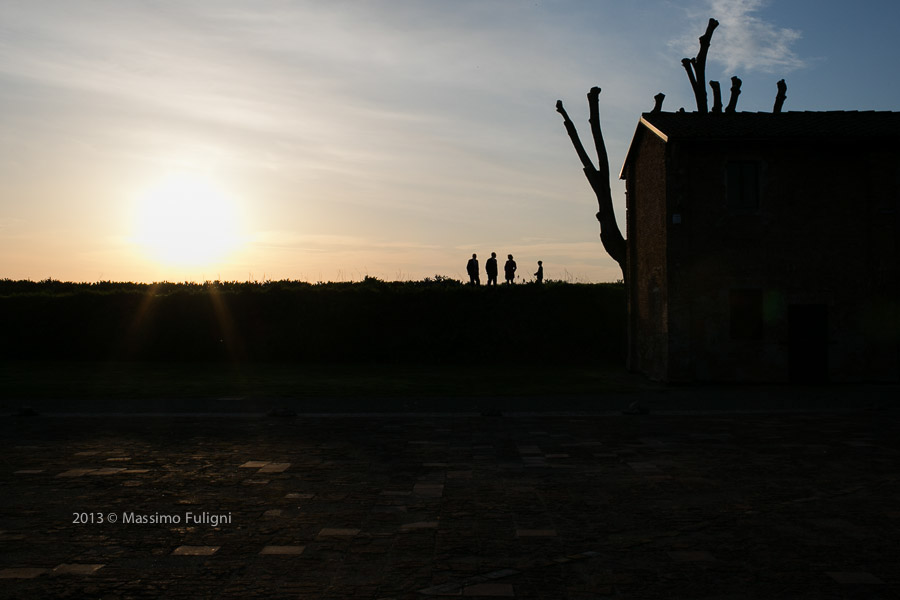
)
(594, 119)
(699, 65)
(780, 97)
(573, 135)
(688, 65)
(610, 235)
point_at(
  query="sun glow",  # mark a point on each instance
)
(185, 220)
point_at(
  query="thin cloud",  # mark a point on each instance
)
(293, 240)
(744, 41)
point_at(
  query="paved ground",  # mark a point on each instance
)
(707, 505)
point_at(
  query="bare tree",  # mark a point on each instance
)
(598, 177)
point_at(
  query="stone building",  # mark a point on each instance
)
(764, 247)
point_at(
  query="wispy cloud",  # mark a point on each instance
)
(743, 40)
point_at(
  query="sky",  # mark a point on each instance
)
(194, 140)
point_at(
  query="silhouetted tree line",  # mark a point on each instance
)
(435, 320)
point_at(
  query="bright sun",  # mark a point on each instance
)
(185, 220)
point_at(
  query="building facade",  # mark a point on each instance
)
(763, 247)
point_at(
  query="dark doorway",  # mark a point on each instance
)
(808, 343)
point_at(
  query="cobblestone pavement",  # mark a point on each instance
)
(728, 505)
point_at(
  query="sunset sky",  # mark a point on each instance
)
(330, 140)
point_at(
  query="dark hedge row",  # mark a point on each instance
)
(430, 321)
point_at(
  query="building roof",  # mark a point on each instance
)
(764, 126)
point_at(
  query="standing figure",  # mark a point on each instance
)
(510, 269)
(491, 268)
(472, 270)
(540, 272)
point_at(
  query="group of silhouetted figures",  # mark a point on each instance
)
(490, 267)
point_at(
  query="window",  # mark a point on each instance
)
(746, 314)
(742, 180)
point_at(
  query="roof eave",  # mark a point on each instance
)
(634, 139)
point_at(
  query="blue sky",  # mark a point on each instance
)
(334, 140)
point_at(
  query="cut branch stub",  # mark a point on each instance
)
(735, 92)
(780, 97)
(717, 96)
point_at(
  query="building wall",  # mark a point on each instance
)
(824, 235)
(646, 263)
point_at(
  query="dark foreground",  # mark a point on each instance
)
(705, 505)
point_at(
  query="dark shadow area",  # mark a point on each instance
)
(734, 506)
(808, 343)
(436, 321)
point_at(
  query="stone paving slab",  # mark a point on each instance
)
(736, 505)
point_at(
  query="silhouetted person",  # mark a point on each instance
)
(510, 269)
(491, 267)
(540, 272)
(472, 270)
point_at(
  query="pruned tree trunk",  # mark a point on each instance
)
(717, 96)
(598, 177)
(780, 97)
(696, 67)
(735, 92)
